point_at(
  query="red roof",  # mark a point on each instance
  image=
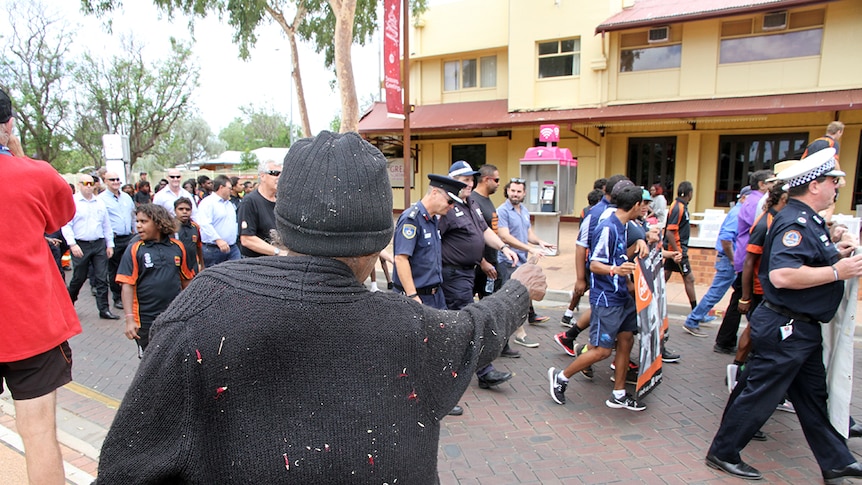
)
(651, 13)
(495, 115)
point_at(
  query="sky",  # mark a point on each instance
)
(226, 82)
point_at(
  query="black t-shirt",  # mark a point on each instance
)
(190, 235)
(143, 198)
(156, 269)
(256, 218)
(489, 212)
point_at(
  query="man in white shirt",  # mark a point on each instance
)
(91, 241)
(217, 219)
(172, 192)
(121, 212)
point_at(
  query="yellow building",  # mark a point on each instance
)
(660, 90)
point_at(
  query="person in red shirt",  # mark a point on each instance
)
(36, 315)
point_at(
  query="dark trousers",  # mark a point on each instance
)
(727, 333)
(120, 245)
(793, 367)
(458, 289)
(95, 254)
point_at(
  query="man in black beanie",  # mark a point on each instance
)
(254, 374)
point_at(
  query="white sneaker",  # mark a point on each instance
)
(786, 406)
(732, 369)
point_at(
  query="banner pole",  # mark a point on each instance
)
(405, 83)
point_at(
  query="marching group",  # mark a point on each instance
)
(244, 352)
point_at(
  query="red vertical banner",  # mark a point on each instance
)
(392, 57)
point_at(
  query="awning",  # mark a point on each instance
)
(653, 13)
(484, 115)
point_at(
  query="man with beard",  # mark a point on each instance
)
(516, 231)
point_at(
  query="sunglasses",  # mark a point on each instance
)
(113, 180)
(496, 180)
(517, 181)
(174, 176)
(274, 173)
(88, 184)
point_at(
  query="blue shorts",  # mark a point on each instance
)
(607, 322)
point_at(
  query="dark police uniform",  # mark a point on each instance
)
(462, 231)
(417, 236)
(155, 268)
(787, 342)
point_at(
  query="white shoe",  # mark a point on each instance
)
(732, 369)
(786, 406)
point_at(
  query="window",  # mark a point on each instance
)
(560, 58)
(648, 58)
(767, 47)
(653, 160)
(475, 155)
(741, 155)
(470, 73)
(762, 38)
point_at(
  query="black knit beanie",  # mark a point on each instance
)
(334, 197)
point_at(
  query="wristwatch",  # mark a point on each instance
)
(277, 252)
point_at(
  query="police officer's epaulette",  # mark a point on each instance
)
(802, 219)
(414, 212)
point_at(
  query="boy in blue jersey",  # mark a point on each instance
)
(614, 317)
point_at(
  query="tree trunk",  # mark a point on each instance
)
(290, 31)
(345, 11)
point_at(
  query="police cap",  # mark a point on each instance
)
(451, 186)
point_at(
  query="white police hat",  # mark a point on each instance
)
(818, 164)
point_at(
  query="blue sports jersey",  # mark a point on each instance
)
(609, 247)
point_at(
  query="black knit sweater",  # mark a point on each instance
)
(287, 370)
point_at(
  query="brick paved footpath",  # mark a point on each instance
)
(514, 434)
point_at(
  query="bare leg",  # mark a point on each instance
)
(625, 342)
(37, 423)
(744, 345)
(689, 289)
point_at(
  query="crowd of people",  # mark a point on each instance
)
(251, 350)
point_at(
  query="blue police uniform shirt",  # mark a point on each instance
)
(798, 237)
(609, 247)
(416, 236)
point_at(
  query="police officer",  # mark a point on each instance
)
(418, 267)
(464, 234)
(802, 275)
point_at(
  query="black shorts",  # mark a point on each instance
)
(683, 266)
(38, 375)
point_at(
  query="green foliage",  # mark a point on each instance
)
(190, 139)
(127, 95)
(248, 161)
(33, 69)
(257, 128)
(335, 124)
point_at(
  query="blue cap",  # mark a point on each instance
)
(460, 168)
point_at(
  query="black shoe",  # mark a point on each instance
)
(721, 349)
(510, 352)
(456, 411)
(759, 436)
(557, 387)
(118, 305)
(631, 376)
(493, 378)
(668, 356)
(742, 469)
(390, 285)
(855, 431)
(837, 475)
(107, 315)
